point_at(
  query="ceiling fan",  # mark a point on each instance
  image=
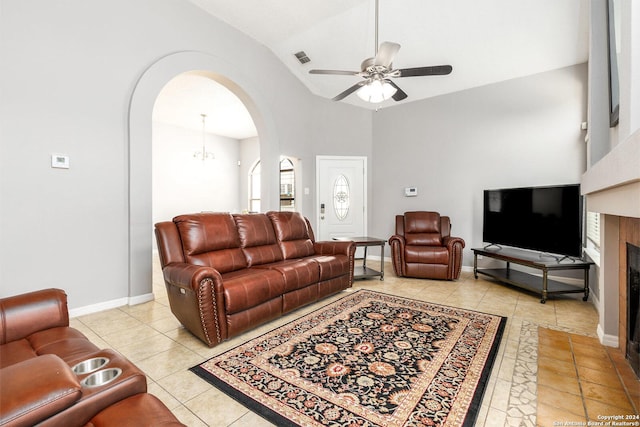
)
(377, 72)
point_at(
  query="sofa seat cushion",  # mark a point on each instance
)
(297, 273)
(141, 410)
(68, 343)
(15, 351)
(332, 265)
(247, 288)
(426, 254)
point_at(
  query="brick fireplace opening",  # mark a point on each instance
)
(629, 308)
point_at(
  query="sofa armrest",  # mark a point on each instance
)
(454, 246)
(25, 314)
(35, 389)
(331, 247)
(196, 297)
(397, 243)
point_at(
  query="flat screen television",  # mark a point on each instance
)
(545, 219)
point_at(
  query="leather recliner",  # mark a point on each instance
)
(423, 247)
(38, 385)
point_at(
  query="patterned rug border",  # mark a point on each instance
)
(277, 419)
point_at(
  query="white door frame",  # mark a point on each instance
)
(364, 185)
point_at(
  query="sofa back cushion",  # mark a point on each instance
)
(257, 239)
(292, 233)
(422, 228)
(212, 240)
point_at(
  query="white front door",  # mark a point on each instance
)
(342, 197)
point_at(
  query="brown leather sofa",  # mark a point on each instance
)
(226, 273)
(43, 380)
(423, 247)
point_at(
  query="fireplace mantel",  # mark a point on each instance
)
(612, 185)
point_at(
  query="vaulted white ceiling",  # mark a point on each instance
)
(486, 41)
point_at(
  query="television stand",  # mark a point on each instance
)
(542, 285)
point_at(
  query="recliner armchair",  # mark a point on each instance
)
(423, 247)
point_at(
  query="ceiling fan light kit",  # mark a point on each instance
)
(377, 72)
(376, 91)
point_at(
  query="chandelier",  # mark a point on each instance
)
(204, 154)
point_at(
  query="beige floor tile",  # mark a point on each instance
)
(187, 417)
(184, 385)
(148, 347)
(216, 408)
(500, 397)
(177, 358)
(251, 419)
(495, 418)
(171, 350)
(133, 335)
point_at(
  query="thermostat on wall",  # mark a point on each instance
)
(59, 161)
(411, 191)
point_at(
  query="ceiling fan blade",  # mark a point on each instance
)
(335, 72)
(386, 53)
(400, 94)
(437, 70)
(349, 91)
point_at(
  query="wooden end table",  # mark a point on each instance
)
(364, 272)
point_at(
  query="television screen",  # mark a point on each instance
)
(545, 219)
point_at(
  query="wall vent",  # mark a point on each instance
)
(302, 57)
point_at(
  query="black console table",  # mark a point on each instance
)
(545, 263)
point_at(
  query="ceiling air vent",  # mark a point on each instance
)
(302, 57)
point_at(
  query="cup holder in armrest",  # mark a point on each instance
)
(101, 378)
(90, 365)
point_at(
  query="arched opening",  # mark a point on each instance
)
(140, 151)
(202, 134)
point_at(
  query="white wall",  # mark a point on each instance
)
(70, 69)
(521, 132)
(68, 75)
(183, 184)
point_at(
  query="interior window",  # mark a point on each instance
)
(254, 188)
(287, 185)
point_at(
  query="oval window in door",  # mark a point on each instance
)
(341, 197)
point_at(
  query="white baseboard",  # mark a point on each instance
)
(141, 299)
(608, 340)
(108, 305)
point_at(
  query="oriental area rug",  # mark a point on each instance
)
(367, 359)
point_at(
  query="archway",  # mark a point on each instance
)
(141, 105)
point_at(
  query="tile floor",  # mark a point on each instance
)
(525, 387)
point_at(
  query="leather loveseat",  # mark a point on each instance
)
(45, 378)
(227, 273)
